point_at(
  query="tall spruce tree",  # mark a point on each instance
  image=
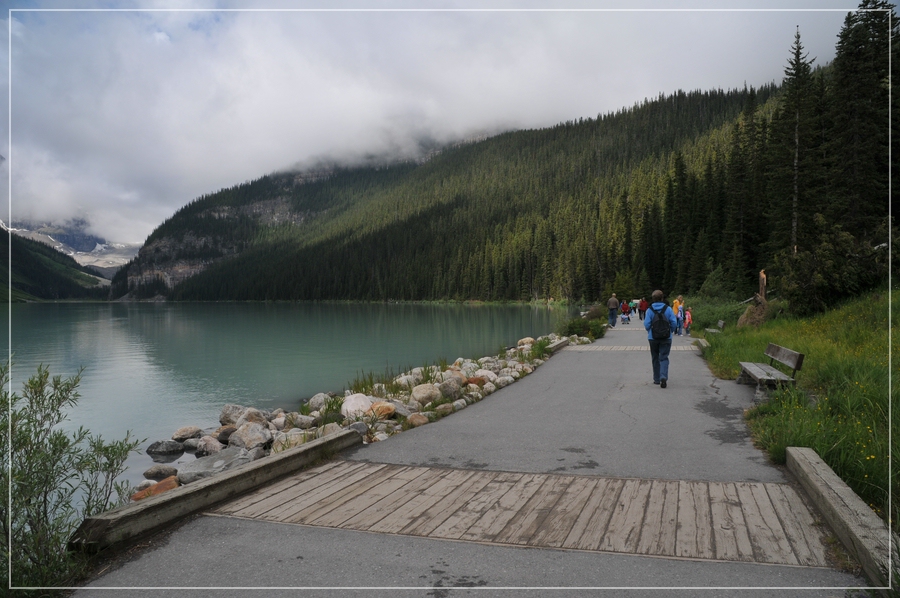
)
(860, 119)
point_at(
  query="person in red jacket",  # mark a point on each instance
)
(642, 307)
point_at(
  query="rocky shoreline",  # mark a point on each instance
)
(410, 400)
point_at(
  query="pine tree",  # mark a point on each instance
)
(860, 117)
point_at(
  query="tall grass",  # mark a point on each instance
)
(840, 407)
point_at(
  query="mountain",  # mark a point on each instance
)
(509, 217)
(71, 238)
(40, 272)
(693, 192)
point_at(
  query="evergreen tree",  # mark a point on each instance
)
(860, 117)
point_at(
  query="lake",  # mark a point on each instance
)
(154, 367)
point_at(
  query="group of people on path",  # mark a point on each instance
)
(663, 322)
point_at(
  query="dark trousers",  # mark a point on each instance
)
(659, 355)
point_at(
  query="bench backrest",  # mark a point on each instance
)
(792, 359)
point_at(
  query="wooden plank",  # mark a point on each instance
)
(527, 521)
(369, 508)
(460, 522)
(590, 527)
(323, 491)
(495, 519)
(290, 495)
(792, 359)
(729, 528)
(660, 520)
(624, 530)
(426, 498)
(320, 513)
(290, 483)
(799, 525)
(694, 536)
(770, 545)
(561, 519)
(753, 369)
(435, 515)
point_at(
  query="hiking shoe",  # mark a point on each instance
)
(662, 383)
(656, 381)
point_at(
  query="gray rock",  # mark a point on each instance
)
(304, 422)
(207, 445)
(459, 404)
(406, 381)
(224, 433)
(355, 405)
(401, 409)
(160, 472)
(191, 444)
(359, 427)
(165, 447)
(329, 429)
(504, 381)
(444, 409)
(318, 401)
(251, 435)
(144, 485)
(182, 434)
(425, 393)
(450, 388)
(487, 374)
(230, 414)
(205, 467)
(251, 415)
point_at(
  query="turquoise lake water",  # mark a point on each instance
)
(152, 368)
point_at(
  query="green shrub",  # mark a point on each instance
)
(592, 329)
(57, 480)
(331, 411)
(540, 350)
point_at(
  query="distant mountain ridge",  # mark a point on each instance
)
(39, 272)
(343, 228)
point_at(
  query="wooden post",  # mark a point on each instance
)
(762, 285)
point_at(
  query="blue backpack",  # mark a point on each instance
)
(659, 326)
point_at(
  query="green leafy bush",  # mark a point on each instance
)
(57, 479)
(592, 329)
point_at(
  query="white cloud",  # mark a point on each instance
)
(129, 115)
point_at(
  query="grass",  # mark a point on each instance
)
(840, 405)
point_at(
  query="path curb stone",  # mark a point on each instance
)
(862, 532)
(128, 522)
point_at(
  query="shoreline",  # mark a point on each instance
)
(378, 411)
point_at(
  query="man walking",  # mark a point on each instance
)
(660, 323)
(613, 305)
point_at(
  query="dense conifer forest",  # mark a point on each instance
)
(41, 272)
(691, 192)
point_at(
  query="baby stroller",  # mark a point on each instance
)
(626, 317)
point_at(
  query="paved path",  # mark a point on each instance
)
(583, 475)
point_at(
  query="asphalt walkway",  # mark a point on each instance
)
(587, 419)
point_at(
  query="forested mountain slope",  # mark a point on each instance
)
(688, 192)
(41, 272)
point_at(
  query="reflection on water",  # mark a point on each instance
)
(152, 368)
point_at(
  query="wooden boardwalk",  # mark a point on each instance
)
(739, 521)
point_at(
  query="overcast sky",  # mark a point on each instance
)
(124, 116)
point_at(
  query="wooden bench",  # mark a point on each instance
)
(767, 374)
(721, 327)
